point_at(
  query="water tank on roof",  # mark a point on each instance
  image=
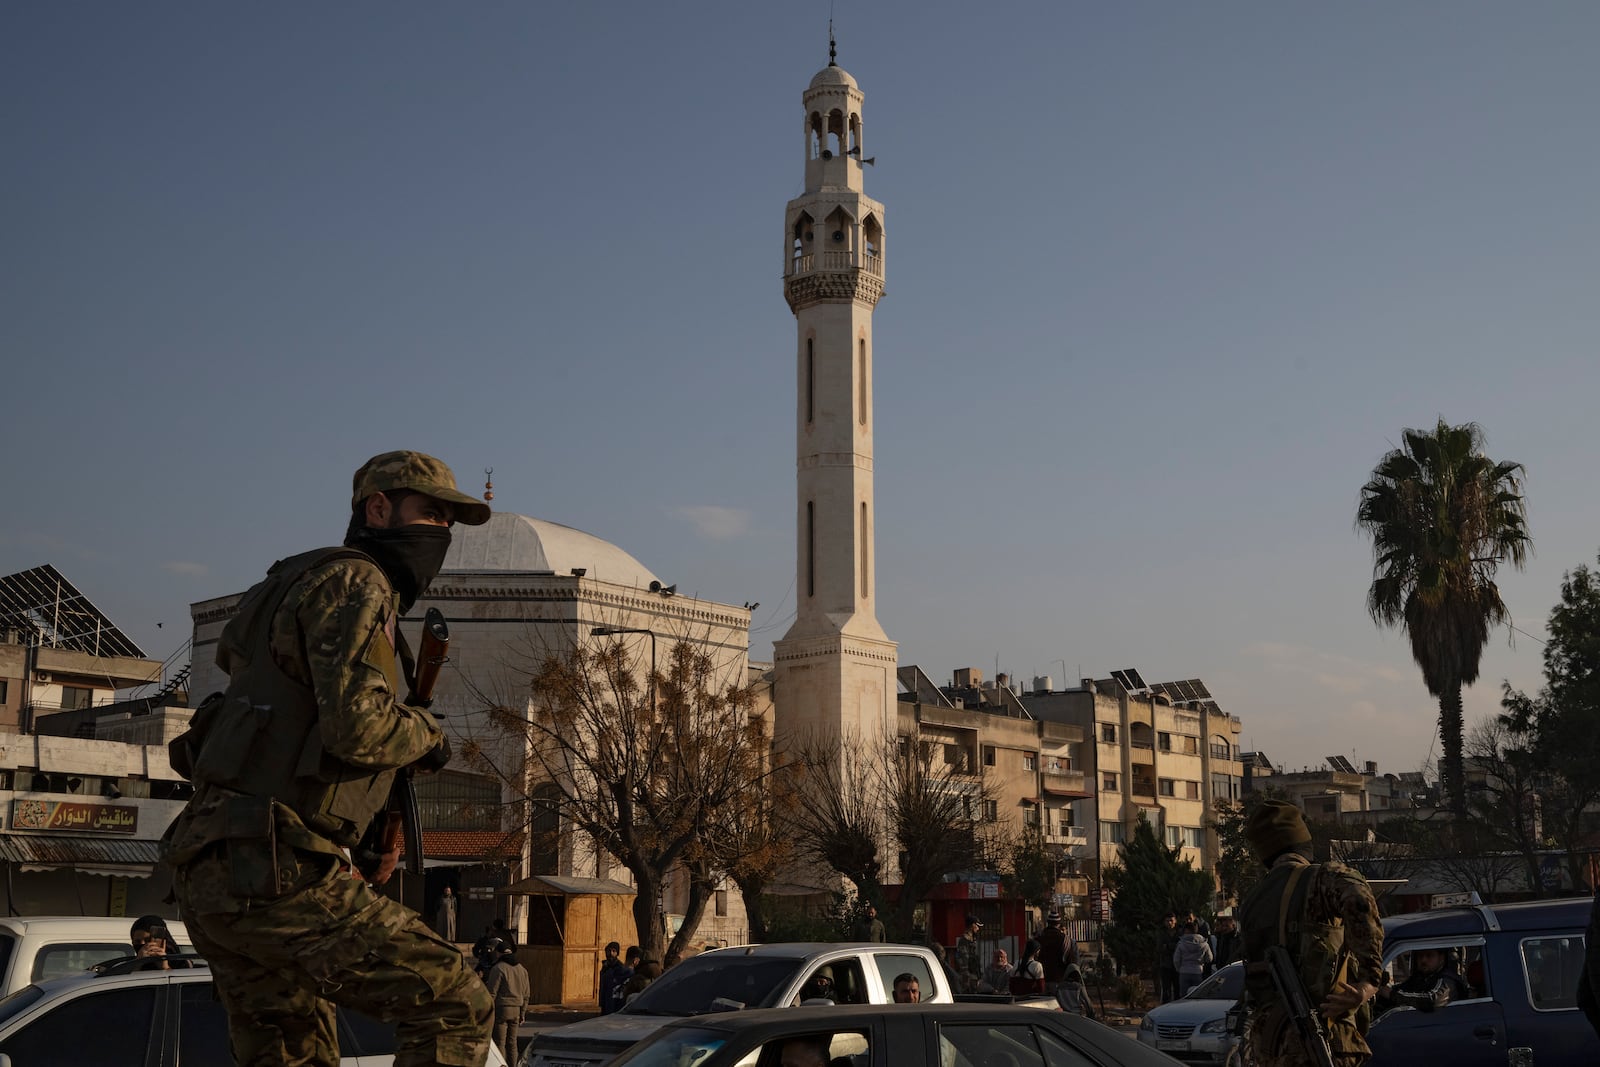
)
(1042, 684)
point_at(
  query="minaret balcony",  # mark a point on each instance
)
(837, 261)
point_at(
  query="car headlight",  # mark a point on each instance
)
(1215, 1026)
(1147, 1023)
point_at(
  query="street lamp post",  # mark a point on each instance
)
(613, 631)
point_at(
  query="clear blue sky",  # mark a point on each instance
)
(1164, 281)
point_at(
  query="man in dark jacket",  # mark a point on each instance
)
(1167, 939)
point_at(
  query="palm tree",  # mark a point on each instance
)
(1442, 517)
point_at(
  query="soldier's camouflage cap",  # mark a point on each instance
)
(420, 473)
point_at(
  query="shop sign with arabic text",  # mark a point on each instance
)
(70, 815)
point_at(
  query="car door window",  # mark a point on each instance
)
(839, 1048)
(1550, 967)
(202, 1026)
(977, 1045)
(109, 1029)
(1057, 1053)
(53, 961)
(845, 982)
(892, 965)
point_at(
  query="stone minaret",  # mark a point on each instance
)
(835, 668)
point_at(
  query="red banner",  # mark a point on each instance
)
(70, 815)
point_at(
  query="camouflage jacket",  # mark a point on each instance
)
(335, 632)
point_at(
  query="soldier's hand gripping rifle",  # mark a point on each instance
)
(400, 820)
(1303, 1015)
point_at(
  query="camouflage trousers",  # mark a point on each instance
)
(1271, 1041)
(281, 964)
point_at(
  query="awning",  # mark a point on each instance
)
(124, 857)
(553, 885)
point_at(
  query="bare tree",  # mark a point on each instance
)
(942, 816)
(1506, 807)
(836, 807)
(644, 766)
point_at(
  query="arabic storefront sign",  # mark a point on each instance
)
(69, 815)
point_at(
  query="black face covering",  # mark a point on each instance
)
(409, 555)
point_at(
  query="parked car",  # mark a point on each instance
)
(137, 1018)
(34, 949)
(893, 1035)
(731, 979)
(1194, 1028)
(1520, 963)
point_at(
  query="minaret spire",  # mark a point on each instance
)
(833, 54)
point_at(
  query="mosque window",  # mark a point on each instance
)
(811, 548)
(866, 542)
(861, 379)
(811, 379)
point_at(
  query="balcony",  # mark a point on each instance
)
(1222, 752)
(1142, 752)
(836, 261)
(1064, 783)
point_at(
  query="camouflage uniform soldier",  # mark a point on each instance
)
(1325, 916)
(291, 764)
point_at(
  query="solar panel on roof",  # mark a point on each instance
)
(41, 601)
(1133, 676)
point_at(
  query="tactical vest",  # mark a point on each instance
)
(260, 737)
(1274, 913)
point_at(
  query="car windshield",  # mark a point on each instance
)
(19, 1002)
(676, 1046)
(716, 981)
(1226, 984)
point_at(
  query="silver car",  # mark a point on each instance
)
(1195, 1028)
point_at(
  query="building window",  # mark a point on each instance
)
(1165, 786)
(1108, 733)
(1108, 782)
(1173, 838)
(1030, 816)
(955, 756)
(1164, 742)
(451, 800)
(866, 542)
(1194, 837)
(75, 699)
(1191, 745)
(811, 548)
(1191, 790)
(991, 811)
(1112, 832)
(1030, 761)
(862, 386)
(4, 692)
(722, 904)
(988, 755)
(811, 379)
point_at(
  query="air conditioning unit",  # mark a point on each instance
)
(41, 676)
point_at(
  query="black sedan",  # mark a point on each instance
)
(890, 1035)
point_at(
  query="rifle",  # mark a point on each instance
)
(1308, 1024)
(400, 820)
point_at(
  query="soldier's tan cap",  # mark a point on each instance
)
(420, 473)
(1274, 826)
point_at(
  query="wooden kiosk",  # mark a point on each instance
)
(570, 920)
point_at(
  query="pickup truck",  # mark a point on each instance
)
(730, 979)
(1520, 965)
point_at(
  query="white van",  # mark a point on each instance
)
(33, 949)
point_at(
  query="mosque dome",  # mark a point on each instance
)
(832, 75)
(510, 542)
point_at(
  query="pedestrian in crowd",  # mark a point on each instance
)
(997, 976)
(614, 974)
(1434, 982)
(1325, 916)
(1201, 927)
(907, 990)
(447, 914)
(508, 984)
(1228, 946)
(260, 855)
(950, 976)
(1071, 995)
(969, 957)
(1166, 969)
(1191, 957)
(1056, 950)
(152, 942)
(1028, 980)
(869, 927)
(646, 972)
(1589, 980)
